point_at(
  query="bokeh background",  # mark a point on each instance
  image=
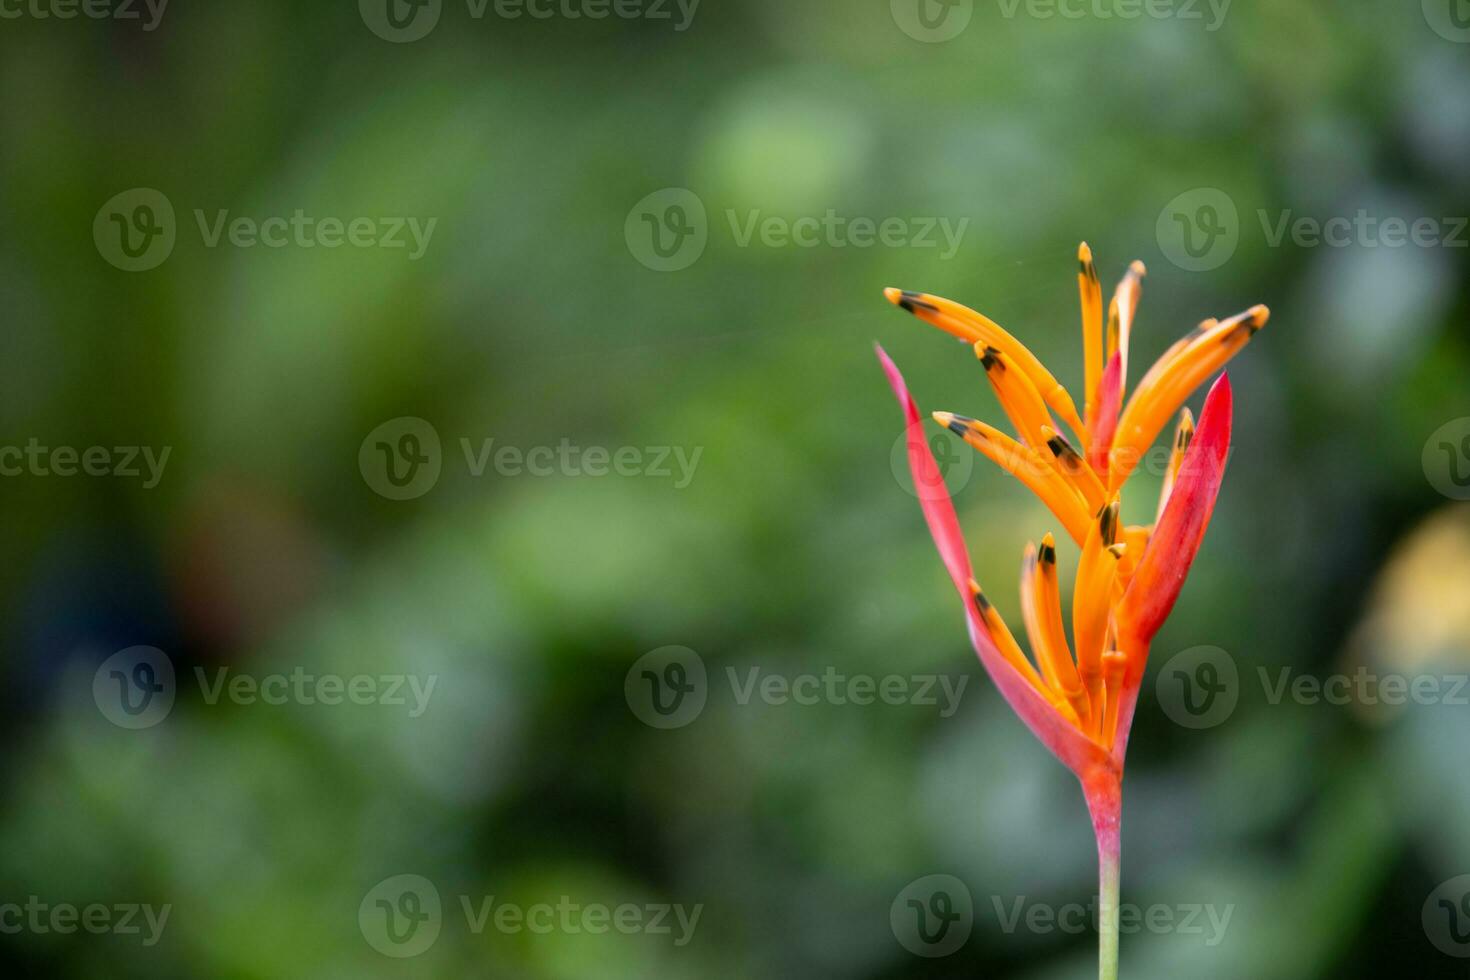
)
(1331, 834)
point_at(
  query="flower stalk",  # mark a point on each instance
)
(1104, 791)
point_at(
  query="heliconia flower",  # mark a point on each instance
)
(1079, 698)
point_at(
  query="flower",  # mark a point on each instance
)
(1079, 698)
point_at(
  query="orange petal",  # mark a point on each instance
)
(1183, 433)
(1135, 543)
(1090, 291)
(1115, 670)
(1019, 398)
(1042, 611)
(1092, 595)
(1026, 465)
(1124, 306)
(1165, 390)
(965, 323)
(1071, 464)
(1159, 366)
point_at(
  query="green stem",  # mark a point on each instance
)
(1104, 791)
(1107, 938)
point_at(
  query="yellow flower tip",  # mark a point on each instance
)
(1060, 447)
(982, 604)
(1047, 553)
(1183, 435)
(911, 302)
(946, 419)
(1138, 268)
(1084, 253)
(989, 356)
(1107, 521)
(1259, 314)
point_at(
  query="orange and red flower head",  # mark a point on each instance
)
(1078, 697)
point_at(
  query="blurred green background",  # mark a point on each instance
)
(541, 313)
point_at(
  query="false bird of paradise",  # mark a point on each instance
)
(1079, 698)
